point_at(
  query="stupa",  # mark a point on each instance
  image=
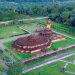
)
(47, 31)
(34, 43)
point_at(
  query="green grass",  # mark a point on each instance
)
(60, 44)
(1, 52)
(21, 55)
(11, 31)
(30, 27)
(8, 44)
(70, 59)
(1, 69)
(51, 69)
(72, 50)
(63, 27)
(71, 68)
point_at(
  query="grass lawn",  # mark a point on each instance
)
(72, 50)
(30, 27)
(71, 68)
(22, 56)
(1, 52)
(63, 27)
(70, 59)
(60, 44)
(51, 69)
(54, 68)
(11, 31)
(1, 69)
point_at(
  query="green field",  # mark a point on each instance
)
(64, 29)
(11, 31)
(51, 69)
(60, 44)
(55, 68)
(30, 27)
(71, 59)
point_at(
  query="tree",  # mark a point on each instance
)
(65, 15)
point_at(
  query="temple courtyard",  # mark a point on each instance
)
(63, 66)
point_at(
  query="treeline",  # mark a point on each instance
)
(11, 15)
(62, 13)
(65, 15)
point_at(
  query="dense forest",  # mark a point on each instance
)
(59, 12)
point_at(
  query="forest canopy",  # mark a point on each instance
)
(59, 12)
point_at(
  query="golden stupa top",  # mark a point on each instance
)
(48, 25)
